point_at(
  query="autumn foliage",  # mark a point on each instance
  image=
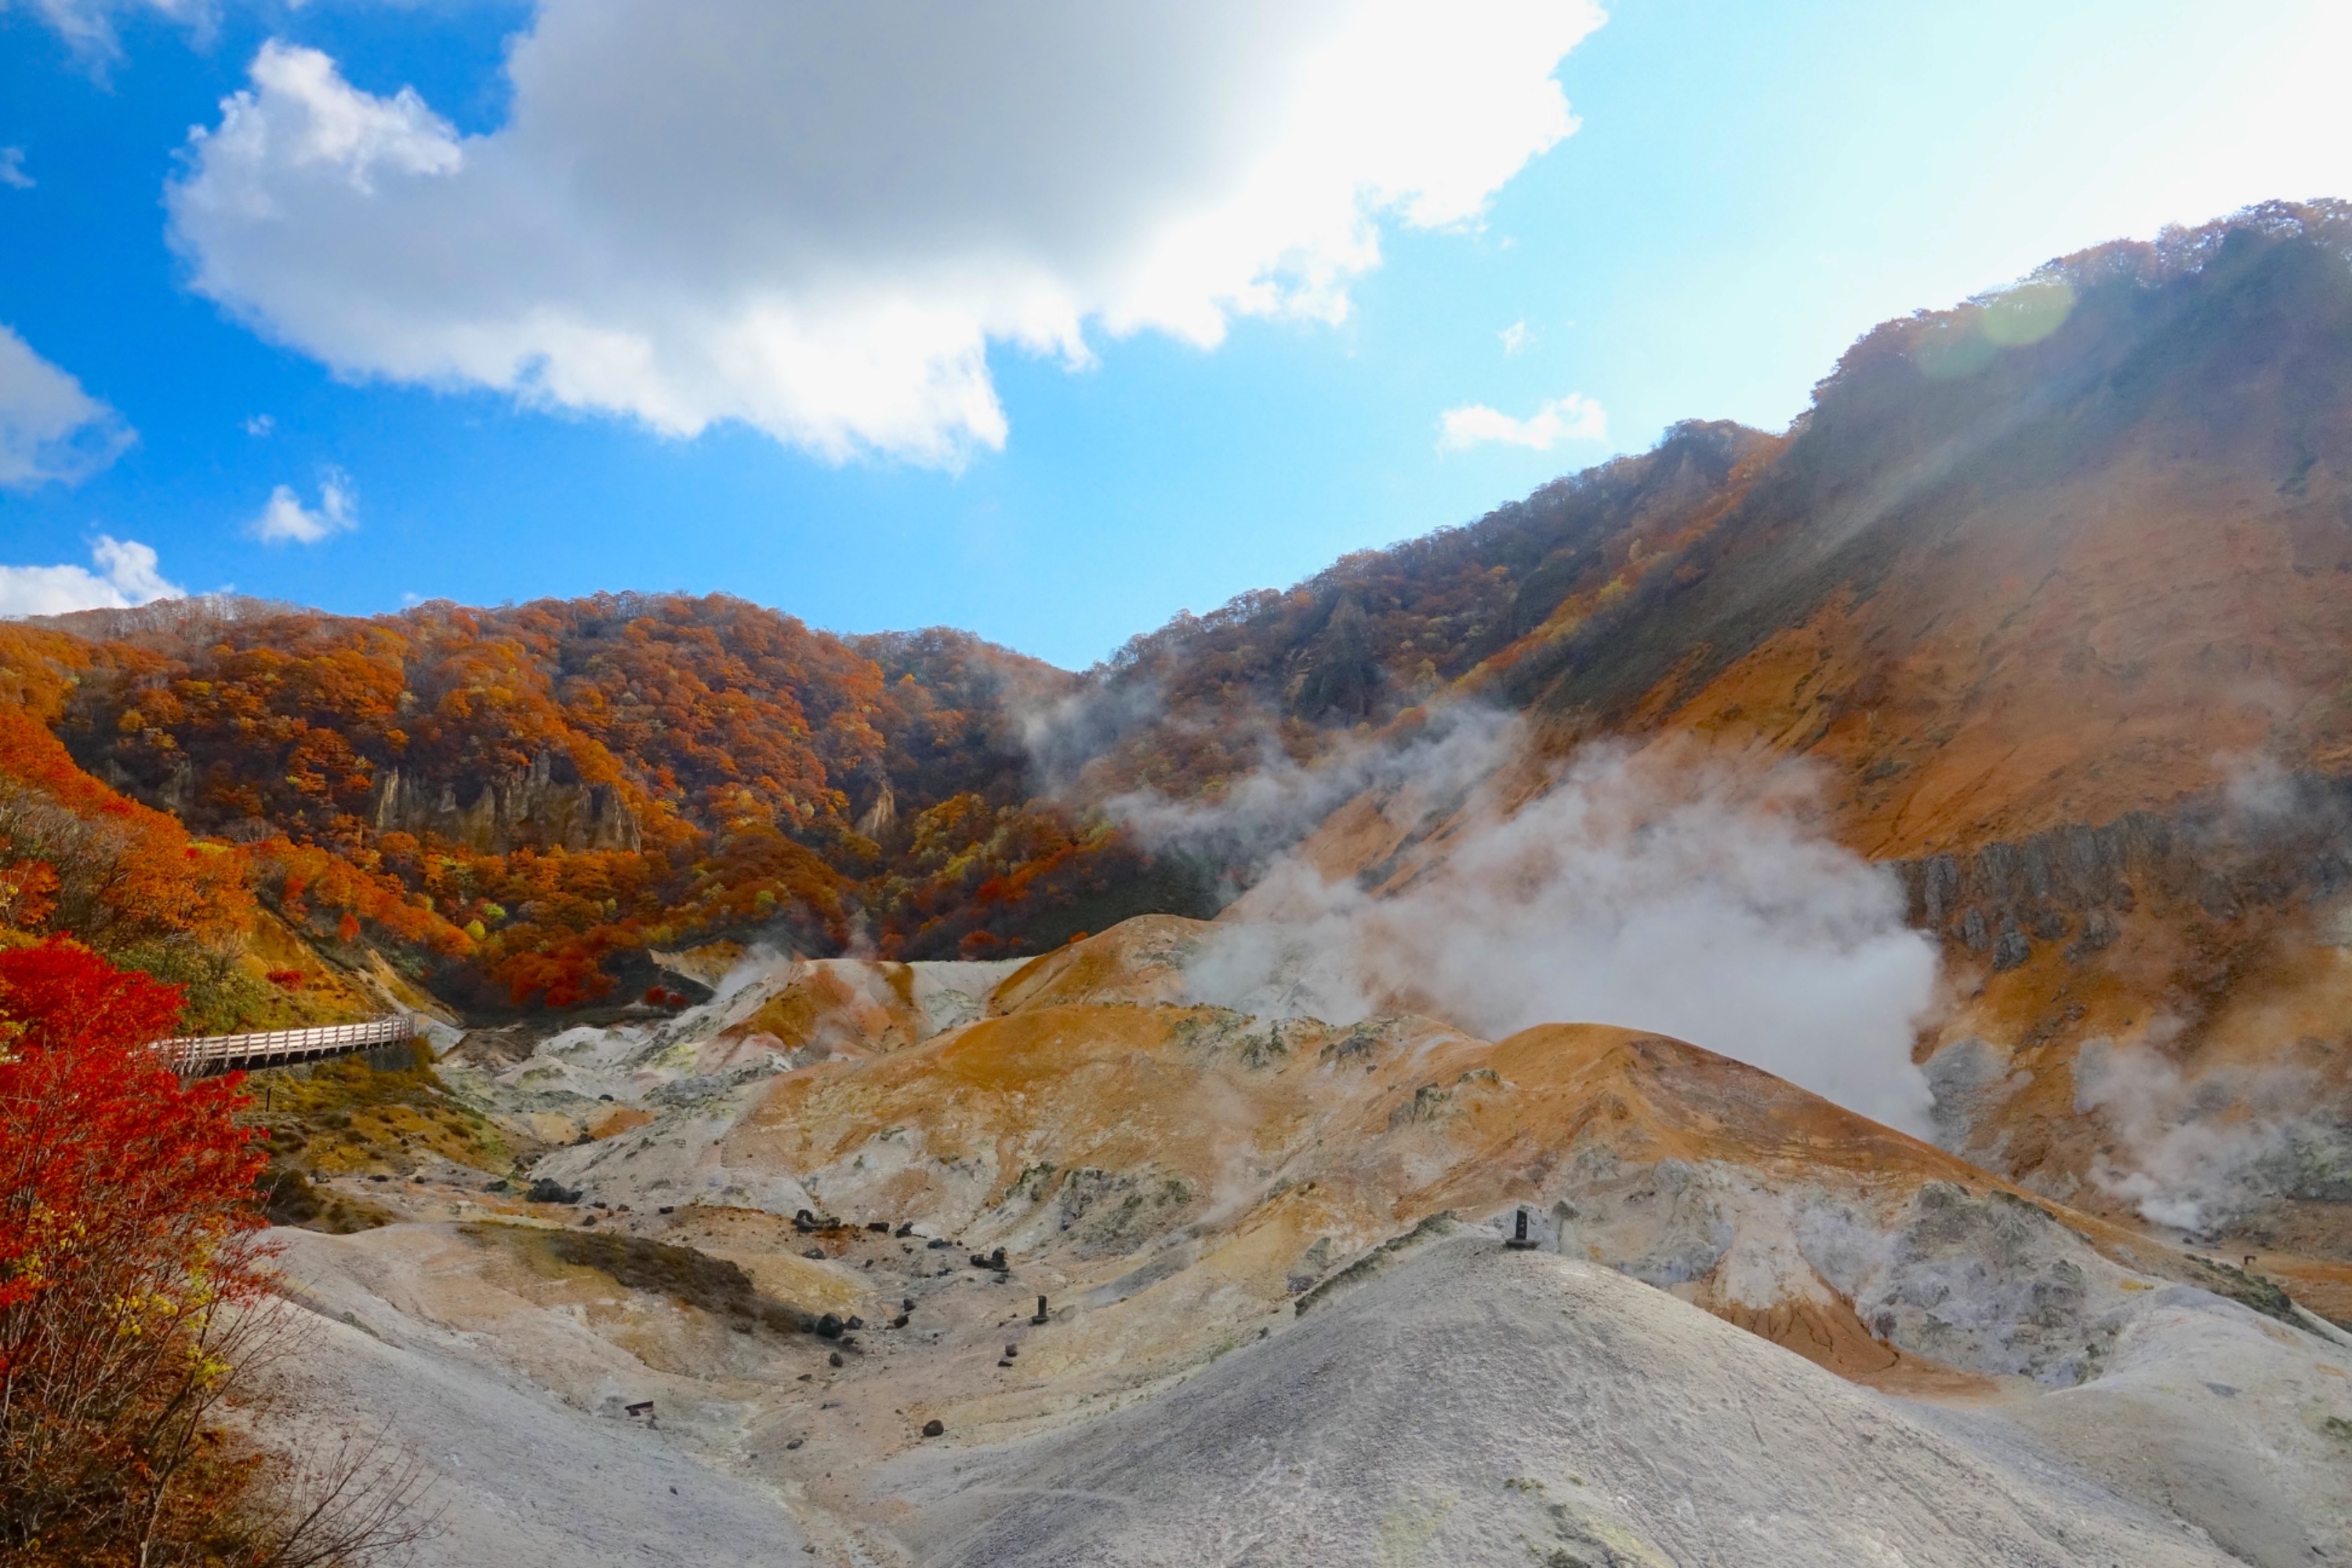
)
(125, 1257)
(516, 800)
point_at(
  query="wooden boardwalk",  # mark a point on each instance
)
(200, 1055)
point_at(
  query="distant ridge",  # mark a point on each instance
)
(169, 615)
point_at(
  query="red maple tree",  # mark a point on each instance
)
(126, 1254)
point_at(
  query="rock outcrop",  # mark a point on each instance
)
(532, 806)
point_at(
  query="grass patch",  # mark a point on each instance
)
(350, 1117)
(686, 1276)
(353, 1116)
(2248, 1289)
(291, 1199)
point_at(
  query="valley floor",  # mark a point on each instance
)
(1282, 1325)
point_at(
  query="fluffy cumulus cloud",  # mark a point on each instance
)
(50, 429)
(286, 520)
(1575, 418)
(127, 573)
(12, 169)
(817, 219)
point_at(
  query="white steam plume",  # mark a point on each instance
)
(1428, 773)
(1690, 899)
(2200, 1152)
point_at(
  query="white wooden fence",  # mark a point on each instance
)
(200, 1055)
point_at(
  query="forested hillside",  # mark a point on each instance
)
(2068, 552)
(520, 802)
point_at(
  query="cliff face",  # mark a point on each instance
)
(526, 806)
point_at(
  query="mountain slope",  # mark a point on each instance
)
(2046, 592)
(1278, 1321)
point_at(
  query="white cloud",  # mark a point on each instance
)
(817, 219)
(88, 24)
(286, 520)
(49, 427)
(1575, 418)
(127, 575)
(259, 425)
(1516, 337)
(12, 169)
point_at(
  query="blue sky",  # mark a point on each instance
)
(1037, 345)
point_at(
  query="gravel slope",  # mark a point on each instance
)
(522, 1479)
(1475, 1407)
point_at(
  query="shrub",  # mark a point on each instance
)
(133, 1294)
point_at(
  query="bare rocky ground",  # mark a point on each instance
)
(1282, 1324)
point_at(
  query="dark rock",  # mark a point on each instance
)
(815, 1252)
(548, 1191)
(855, 1323)
(881, 1224)
(829, 1327)
(1973, 932)
(2011, 948)
(834, 1360)
(934, 1428)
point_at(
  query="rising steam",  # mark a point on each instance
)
(1692, 899)
(2196, 1153)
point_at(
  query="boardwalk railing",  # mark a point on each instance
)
(200, 1055)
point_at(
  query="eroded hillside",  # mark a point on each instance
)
(1056, 1263)
(2046, 592)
